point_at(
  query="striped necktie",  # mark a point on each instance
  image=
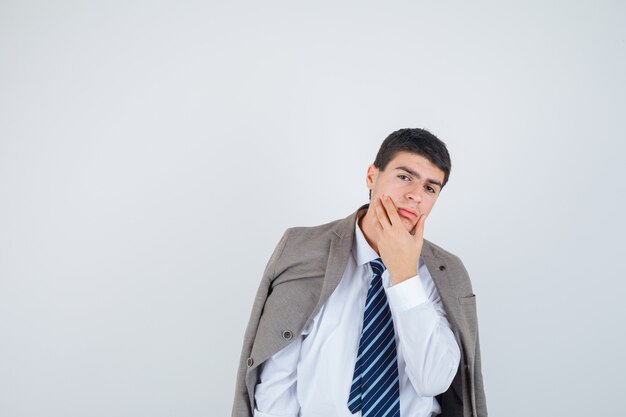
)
(375, 385)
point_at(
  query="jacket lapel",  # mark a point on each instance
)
(339, 253)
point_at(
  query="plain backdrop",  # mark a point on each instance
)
(153, 152)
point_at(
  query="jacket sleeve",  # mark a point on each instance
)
(242, 404)
(481, 402)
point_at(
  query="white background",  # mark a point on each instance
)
(152, 153)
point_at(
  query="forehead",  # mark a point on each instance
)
(417, 163)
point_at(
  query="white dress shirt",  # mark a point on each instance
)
(312, 376)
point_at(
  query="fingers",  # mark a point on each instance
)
(387, 215)
(391, 210)
(378, 227)
(418, 230)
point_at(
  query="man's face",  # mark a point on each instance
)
(411, 181)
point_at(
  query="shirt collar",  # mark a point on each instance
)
(362, 251)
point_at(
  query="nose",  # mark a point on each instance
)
(415, 193)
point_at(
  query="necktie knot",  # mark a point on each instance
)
(378, 267)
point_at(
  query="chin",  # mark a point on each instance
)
(408, 225)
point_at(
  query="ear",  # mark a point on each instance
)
(370, 178)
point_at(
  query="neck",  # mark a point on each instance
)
(367, 223)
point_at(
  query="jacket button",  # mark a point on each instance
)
(442, 267)
(287, 335)
(250, 362)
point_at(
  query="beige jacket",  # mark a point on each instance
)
(306, 267)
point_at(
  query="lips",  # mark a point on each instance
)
(406, 212)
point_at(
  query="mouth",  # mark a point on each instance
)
(408, 213)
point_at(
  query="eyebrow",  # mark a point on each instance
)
(418, 176)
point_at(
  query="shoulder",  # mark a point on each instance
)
(440, 252)
(312, 235)
(306, 249)
(444, 255)
(310, 242)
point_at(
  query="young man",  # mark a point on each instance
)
(363, 316)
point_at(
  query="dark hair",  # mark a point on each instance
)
(418, 141)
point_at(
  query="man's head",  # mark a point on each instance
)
(417, 141)
(411, 167)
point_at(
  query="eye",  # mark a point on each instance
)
(404, 177)
(431, 189)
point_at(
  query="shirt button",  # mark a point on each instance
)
(287, 335)
(250, 362)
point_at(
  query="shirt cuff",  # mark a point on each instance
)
(406, 295)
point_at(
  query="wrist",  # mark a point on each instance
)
(397, 277)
